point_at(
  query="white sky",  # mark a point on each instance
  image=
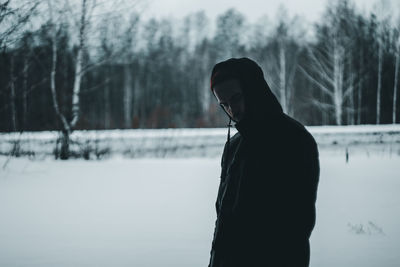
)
(311, 10)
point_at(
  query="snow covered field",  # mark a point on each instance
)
(160, 212)
(183, 143)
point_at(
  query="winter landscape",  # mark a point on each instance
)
(159, 211)
(110, 137)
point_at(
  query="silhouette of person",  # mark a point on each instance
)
(270, 172)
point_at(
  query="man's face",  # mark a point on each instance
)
(230, 97)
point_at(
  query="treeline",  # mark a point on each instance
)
(85, 70)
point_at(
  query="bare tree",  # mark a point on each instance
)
(127, 53)
(328, 65)
(229, 38)
(382, 10)
(13, 18)
(107, 28)
(396, 71)
(360, 87)
(25, 91)
(328, 76)
(79, 62)
(13, 94)
(351, 87)
(282, 61)
(379, 86)
(195, 44)
(117, 38)
(82, 23)
(396, 76)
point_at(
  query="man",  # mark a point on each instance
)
(270, 172)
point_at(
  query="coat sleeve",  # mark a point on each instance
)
(303, 206)
(301, 217)
(213, 256)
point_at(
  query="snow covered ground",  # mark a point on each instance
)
(183, 143)
(160, 212)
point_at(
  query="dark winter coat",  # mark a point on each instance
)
(270, 171)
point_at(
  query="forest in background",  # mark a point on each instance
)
(74, 66)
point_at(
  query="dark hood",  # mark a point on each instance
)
(261, 105)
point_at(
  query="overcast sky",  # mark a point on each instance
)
(311, 10)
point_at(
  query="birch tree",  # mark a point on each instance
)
(128, 46)
(396, 70)
(194, 66)
(328, 61)
(382, 9)
(351, 88)
(82, 24)
(25, 83)
(117, 41)
(379, 86)
(107, 43)
(13, 108)
(283, 56)
(361, 34)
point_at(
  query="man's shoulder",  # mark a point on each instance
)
(234, 140)
(236, 137)
(298, 132)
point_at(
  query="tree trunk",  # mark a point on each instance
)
(325, 115)
(396, 75)
(76, 89)
(282, 76)
(338, 81)
(359, 95)
(127, 96)
(136, 101)
(64, 152)
(53, 81)
(25, 94)
(378, 91)
(289, 85)
(107, 106)
(13, 110)
(351, 109)
(66, 127)
(78, 66)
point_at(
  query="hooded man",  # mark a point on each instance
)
(270, 171)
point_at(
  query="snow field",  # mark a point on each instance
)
(160, 212)
(183, 143)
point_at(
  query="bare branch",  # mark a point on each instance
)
(321, 66)
(320, 86)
